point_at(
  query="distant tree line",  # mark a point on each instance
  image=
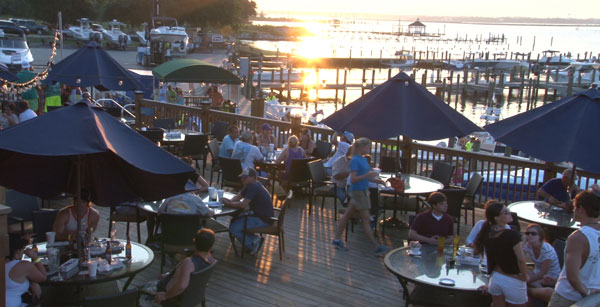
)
(214, 14)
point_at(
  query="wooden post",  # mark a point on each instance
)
(407, 154)
(337, 82)
(139, 95)
(296, 124)
(363, 81)
(205, 117)
(344, 93)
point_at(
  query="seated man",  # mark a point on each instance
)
(65, 224)
(343, 145)
(257, 199)
(172, 285)
(558, 191)
(434, 223)
(245, 151)
(229, 141)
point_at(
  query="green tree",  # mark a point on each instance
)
(72, 10)
(133, 12)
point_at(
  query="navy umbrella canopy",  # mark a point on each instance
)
(41, 157)
(564, 130)
(400, 106)
(6, 74)
(92, 66)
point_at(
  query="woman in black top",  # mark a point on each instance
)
(505, 257)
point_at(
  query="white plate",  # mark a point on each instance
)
(214, 204)
(447, 282)
(414, 253)
(56, 244)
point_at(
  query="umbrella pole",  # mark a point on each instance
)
(572, 180)
(78, 208)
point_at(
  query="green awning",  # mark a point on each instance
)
(194, 71)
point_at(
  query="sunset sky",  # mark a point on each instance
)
(513, 8)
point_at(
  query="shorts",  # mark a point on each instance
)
(514, 290)
(360, 199)
(558, 300)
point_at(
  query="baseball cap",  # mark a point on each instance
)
(248, 172)
(349, 136)
(265, 126)
(246, 135)
(25, 64)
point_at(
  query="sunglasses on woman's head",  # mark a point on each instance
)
(531, 233)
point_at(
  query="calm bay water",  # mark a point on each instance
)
(358, 38)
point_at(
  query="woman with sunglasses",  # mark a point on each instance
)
(505, 258)
(546, 267)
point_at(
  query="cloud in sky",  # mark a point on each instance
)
(485, 8)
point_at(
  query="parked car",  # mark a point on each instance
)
(31, 25)
(14, 51)
(12, 24)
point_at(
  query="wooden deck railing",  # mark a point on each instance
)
(504, 178)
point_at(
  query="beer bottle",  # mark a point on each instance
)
(34, 248)
(128, 249)
(108, 253)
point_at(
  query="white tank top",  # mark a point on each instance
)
(71, 224)
(14, 290)
(589, 274)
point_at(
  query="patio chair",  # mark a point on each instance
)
(153, 134)
(299, 177)
(128, 213)
(213, 149)
(472, 187)
(389, 164)
(125, 298)
(455, 198)
(177, 234)
(320, 186)
(195, 146)
(195, 293)
(231, 169)
(22, 205)
(219, 130)
(322, 149)
(165, 123)
(442, 172)
(43, 220)
(276, 229)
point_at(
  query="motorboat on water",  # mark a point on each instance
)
(84, 31)
(499, 63)
(553, 57)
(14, 51)
(113, 37)
(165, 29)
(277, 111)
(589, 73)
(404, 60)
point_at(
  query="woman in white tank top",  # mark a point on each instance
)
(22, 275)
(580, 275)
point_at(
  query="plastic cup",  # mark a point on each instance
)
(212, 193)
(271, 147)
(441, 243)
(92, 268)
(50, 235)
(220, 194)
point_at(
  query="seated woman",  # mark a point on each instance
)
(292, 152)
(306, 141)
(22, 275)
(200, 182)
(170, 286)
(545, 273)
(65, 224)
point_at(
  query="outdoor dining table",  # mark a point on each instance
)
(141, 258)
(556, 221)
(415, 185)
(271, 167)
(436, 280)
(153, 209)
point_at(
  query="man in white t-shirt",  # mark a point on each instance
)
(346, 140)
(246, 152)
(25, 113)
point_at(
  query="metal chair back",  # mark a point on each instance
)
(195, 292)
(43, 221)
(389, 164)
(474, 184)
(153, 134)
(442, 172)
(165, 123)
(231, 168)
(194, 145)
(299, 171)
(322, 149)
(125, 298)
(179, 229)
(317, 171)
(23, 205)
(559, 246)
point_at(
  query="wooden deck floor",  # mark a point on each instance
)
(312, 272)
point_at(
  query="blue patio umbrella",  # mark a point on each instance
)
(564, 130)
(46, 155)
(5, 74)
(400, 106)
(93, 66)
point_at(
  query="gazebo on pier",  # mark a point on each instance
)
(416, 27)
